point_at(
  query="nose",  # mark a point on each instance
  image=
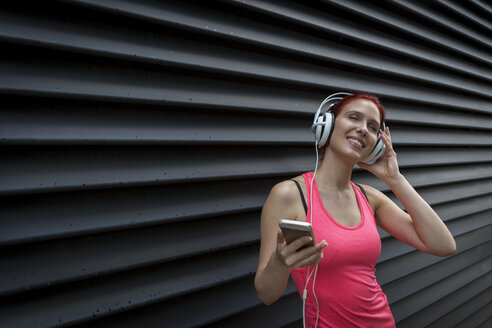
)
(362, 129)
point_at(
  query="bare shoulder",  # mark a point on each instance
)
(284, 200)
(284, 191)
(288, 188)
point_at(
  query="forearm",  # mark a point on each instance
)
(270, 282)
(427, 224)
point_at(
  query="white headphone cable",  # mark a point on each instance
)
(315, 271)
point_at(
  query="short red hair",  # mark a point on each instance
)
(360, 95)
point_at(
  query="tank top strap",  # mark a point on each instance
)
(363, 202)
(301, 194)
(308, 177)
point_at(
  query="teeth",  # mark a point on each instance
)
(356, 142)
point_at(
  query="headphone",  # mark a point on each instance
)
(324, 124)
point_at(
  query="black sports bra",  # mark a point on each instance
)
(304, 200)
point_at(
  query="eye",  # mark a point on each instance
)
(373, 128)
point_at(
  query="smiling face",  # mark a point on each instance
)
(356, 130)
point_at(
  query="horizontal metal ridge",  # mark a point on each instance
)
(303, 15)
(393, 248)
(424, 278)
(217, 24)
(466, 307)
(100, 297)
(421, 32)
(281, 314)
(101, 211)
(482, 6)
(455, 191)
(20, 278)
(403, 136)
(406, 307)
(395, 266)
(197, 56)
(465, 13)
(127, 208)
(147, 88)
(435, 117)
(87, 169)
(169, 125)
(452, 26)
(460, 212)
(67, 80)
(238, 293)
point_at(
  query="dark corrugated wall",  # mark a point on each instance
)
(140, 139)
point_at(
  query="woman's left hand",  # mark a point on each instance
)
(386, 167)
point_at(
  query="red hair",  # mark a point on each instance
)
(348, 99)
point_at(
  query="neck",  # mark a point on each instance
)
(334, 173)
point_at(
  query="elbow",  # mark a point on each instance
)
(446, 253)
(452, 247)
(266, 299)
(448, 250)
(451, 250)
(264, 295)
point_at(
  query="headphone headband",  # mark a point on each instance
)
(330, 101)
(326, 105)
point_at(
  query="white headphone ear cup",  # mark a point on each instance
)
(324, 119)
(318, 129)
(328, 122)
(377, 152)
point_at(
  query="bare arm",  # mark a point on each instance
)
(277, 258)
(420, 227)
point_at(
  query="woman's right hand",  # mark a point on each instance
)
(294, 255)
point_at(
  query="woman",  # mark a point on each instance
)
(344, 220)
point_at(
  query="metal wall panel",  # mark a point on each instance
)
(140, 139)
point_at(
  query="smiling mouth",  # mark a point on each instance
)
(356, 142)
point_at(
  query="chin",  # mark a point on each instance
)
(350, 158)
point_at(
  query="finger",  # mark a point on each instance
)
(365, 166)
(310, 260)
(289, 252)
(306, 255)
(300, 243)
(384, 133)
(386, 137)
(280, 237)
(315, 248)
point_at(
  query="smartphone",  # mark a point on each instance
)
(293, 230)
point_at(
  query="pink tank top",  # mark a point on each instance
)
(346, 287)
